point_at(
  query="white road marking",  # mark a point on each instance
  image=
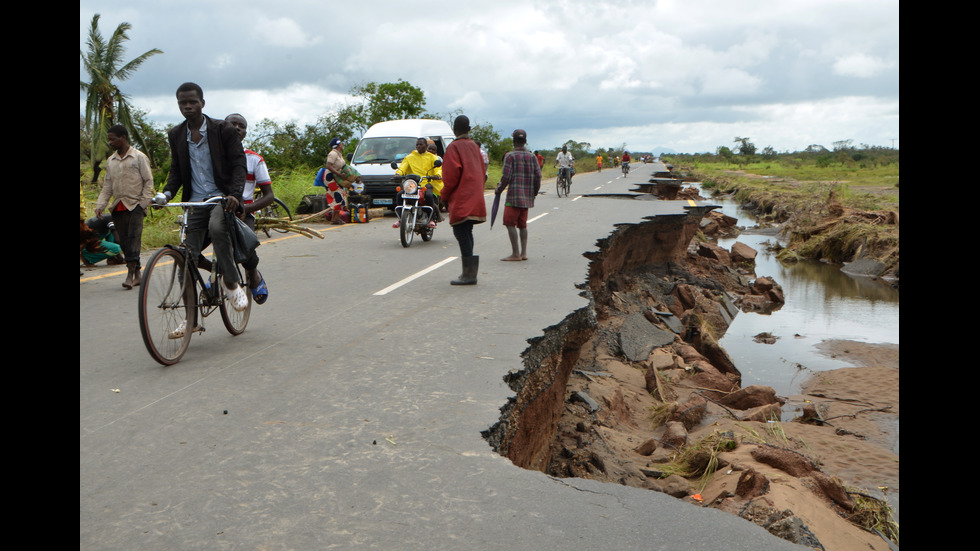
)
(415, 276)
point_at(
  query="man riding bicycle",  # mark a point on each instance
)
(565, 163)
(207, 161)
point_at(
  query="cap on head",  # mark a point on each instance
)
(519, 135)
(334, 143)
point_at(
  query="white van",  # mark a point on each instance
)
(392, 141)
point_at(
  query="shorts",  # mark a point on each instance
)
(514, 216)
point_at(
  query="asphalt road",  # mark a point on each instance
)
(348, 415)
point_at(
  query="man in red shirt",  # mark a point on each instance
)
(463, 177)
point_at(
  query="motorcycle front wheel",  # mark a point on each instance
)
(407, 227)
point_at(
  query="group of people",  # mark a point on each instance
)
(208, 160)
(464, 174)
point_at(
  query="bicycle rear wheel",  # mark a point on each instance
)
(165, 293)
(278, 209)
(235, 322)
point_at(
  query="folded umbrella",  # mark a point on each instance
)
(493, 209)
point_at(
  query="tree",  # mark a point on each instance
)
(745, 147)
(105, 104)
(386, 101)
(725, 153)
(490, 138)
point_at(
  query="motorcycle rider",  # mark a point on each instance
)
(566, 162)
(422, 162)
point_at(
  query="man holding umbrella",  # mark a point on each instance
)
(522, 179)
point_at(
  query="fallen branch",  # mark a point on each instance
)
(281, 224)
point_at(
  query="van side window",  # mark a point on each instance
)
(440, 147)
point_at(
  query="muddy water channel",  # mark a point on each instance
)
(822, 303)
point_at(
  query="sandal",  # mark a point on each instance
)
(261, 291)
(237, 298)
(178, 333)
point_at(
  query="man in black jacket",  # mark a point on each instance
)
(207, 160)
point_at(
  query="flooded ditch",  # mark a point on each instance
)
(667, 347)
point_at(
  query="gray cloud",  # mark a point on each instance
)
(687, 76)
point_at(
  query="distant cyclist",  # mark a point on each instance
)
(626, 161)
(566, 163)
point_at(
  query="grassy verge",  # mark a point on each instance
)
(836, 213)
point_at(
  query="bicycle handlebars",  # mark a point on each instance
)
(206, 203)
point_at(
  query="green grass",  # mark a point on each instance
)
(857, 186)
(855, 175)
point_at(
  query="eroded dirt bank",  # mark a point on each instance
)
(635, 390)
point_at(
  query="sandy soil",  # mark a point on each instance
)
(855, 445)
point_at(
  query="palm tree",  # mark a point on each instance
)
(105, 104)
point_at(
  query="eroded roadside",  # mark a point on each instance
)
(634, 389)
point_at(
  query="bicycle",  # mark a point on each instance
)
(626, 169)
(173, 293)
(273, 210)
(564, 182)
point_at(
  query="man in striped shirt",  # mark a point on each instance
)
(521, 178)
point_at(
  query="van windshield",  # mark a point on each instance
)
(383, 150)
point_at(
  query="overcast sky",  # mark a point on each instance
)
(682, 75)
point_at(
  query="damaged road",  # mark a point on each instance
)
(634, 389)
(346, 419)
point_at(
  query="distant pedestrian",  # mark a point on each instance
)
(337, 187)
(463, 176)
(129, 181)
(521, 178)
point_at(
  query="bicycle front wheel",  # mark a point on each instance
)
(166, 298)
(278, 209)
(560, 185)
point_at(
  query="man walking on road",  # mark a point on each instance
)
(129, 180)
(522, 179)
(463, 176)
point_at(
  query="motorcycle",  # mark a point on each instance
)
(413, 212)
